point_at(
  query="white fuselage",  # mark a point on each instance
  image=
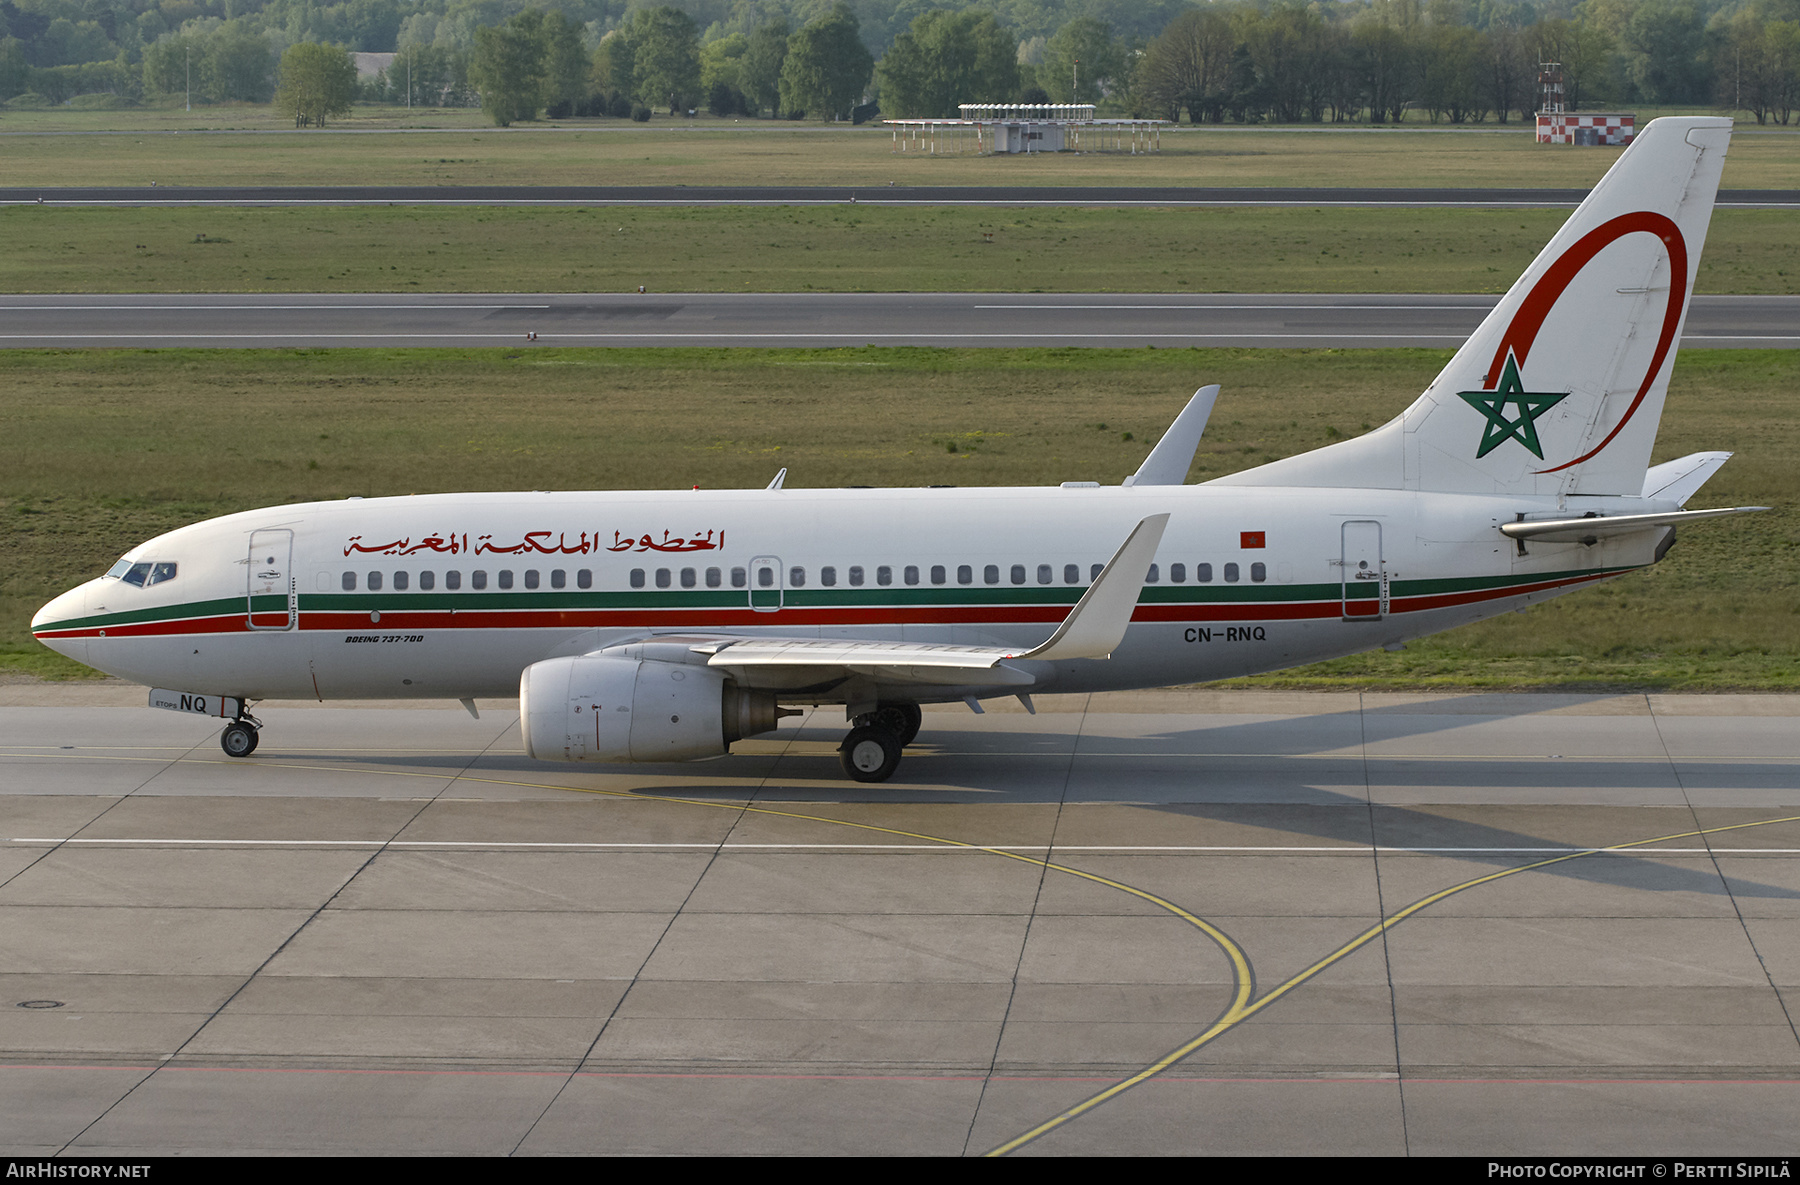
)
(453, 595)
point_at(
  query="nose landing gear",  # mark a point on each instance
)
(240, 736)
(871, 753)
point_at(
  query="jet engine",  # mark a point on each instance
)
(605, 708)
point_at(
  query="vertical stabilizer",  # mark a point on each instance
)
(1560, 390)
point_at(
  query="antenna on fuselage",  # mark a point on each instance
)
(1169, 461)
(779, 478)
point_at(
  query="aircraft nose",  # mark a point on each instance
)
(62, 608)
(60, 614)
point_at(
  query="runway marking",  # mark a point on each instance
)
(936, 846)
(1238, 1013)
(546, 335)
(245, 308)
(1286, 308)
(1382, 1078)
(824, 748)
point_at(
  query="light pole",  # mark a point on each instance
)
(187, 53)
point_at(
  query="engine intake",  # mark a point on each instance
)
(605, 708)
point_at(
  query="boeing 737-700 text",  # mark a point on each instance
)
(661, 626)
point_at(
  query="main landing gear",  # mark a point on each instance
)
(240, 736)
(871, 753)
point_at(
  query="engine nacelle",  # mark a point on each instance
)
(602, 708)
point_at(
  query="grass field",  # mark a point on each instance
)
(247, 146)
(106, 448)
(822, 248)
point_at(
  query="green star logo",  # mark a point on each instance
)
(1492, 404)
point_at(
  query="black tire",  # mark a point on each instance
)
(903, 720)
(238, 739)
(870, 754)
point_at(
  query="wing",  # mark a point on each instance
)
(1093, 629)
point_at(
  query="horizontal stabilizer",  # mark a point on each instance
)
(1678, 480)
(1597, 527)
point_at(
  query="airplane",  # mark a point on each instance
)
(654, 626)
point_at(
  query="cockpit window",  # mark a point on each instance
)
(119, 569)
(144, 574)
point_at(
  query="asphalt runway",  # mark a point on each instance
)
(812, 319)
(1232, 923)
(825, 195)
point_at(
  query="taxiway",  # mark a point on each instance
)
(1233, 922)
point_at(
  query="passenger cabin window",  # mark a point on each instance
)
(559, 578)
(584, 578)
(427, 581)
(1071, 573)
(911, 575)
(531, 578)
(401, 581)
(690, 577)
(884, 576)
(714, 578)
(1203, 573)
(637, 577)
(478, 580)
(965, 574)
(938, 576)
(1094, 571)
(349, 582)
(1152, 576)
(1231, 573)
(828, 577)
(765, 577)
(1018, 573)
(1045, 574)
(739, 578)
(505, 580)
(990, 574)
(856, 576)
(374, 582)
(1178, 573)
(1259, 572)
(453, 580)
(664, 578)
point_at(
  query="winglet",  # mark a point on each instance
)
(1169, 461)
(1096, 625)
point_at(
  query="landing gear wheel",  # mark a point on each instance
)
(238, 740)
(870, 754)
(903, 720)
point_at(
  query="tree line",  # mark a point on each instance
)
(1224, 61)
